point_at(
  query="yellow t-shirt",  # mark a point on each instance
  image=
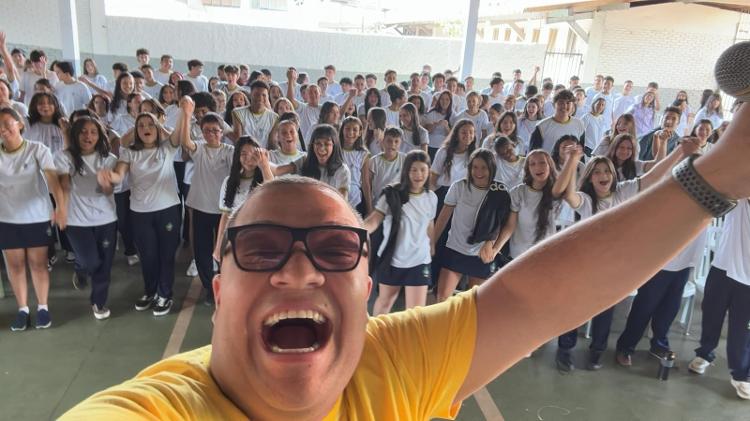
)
(412, 365)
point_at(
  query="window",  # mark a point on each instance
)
(552, 39)
(222, 3)
(535, 36)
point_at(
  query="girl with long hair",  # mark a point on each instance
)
(594, 123)
(507, 125)
(415, 136)
(406, 209)
(437, 121)
(124, 86)
(288, 142)
(91, 75)
(323, 161)
(478, 209)
(250, 168)
(92, 214)
(238, 99)
(509, 164)
(45, 118)
(27, 178)
(711, 111)
(156, 212)
(623, 155)
(374, 130)
(644, 114)
(532, 114)
(355, 157)
(474, 113)
(624, 124)
(372, 99)
(535, 204)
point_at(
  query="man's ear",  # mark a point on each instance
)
(216, 284)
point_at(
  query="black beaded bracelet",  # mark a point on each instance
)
(699, 190)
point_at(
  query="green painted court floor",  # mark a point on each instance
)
(45, 372)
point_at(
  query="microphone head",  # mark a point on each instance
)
(732, 71)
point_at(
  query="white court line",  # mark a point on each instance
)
(183, 319)
(487, 405)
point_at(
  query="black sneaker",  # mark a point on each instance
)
(162, 306)
(43, 320)
(564, 361)
(659, 353)
(595, 360)
(21, 322)
(145, 302)
(80, 281)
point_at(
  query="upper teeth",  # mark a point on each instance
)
(294, 314)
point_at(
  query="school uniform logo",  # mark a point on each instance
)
(105, 244)
(426, 271)
(49, 231)
(169, 227)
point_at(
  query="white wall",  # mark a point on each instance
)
(256, 46)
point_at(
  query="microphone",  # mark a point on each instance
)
(732, 71)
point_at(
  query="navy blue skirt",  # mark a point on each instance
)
(405, 277)
(25, 236)
(467, 265)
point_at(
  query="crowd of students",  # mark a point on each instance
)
(452, 181)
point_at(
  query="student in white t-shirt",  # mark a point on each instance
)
(45, 116)
(165, 69)
(38, 71)
(407, 210)
(250, 168)
(124, 86)
(711, 111)
(371, 100)
(415, 136)
(254, 120)
(355, 157)
(623, 124)
(150, 85)
(535, 204)
(287, 147)
(92, 215)
(532, 114)
(509, 163)
(309, 112)
(624, 156)
(591, 91)
(595, 124)
(507, 125)
(195, 75)
(397, 99)
(658, 300)
(383, 168)
(27, 176)
(728, 291)
(437, 121)
(558, 125)
(375, 124)
(155, 207)
(478, 209)
(476, 115)
(91, 76)
(323, 161)
(72, 93)
(597, 191)
(624, 101)
(212, 160)
(124, 123)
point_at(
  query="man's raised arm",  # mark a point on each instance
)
(565, 280)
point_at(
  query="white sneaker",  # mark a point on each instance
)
(742, 388)
(192, 269)
(70, 257)
(133, 260)
(698, 365)
(100, 313)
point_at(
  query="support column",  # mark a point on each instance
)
(69, 33)
(470, 34)
(593, 47)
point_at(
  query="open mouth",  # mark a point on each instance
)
(604, 183)
(296, 332)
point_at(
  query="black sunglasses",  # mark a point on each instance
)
(267, 247)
